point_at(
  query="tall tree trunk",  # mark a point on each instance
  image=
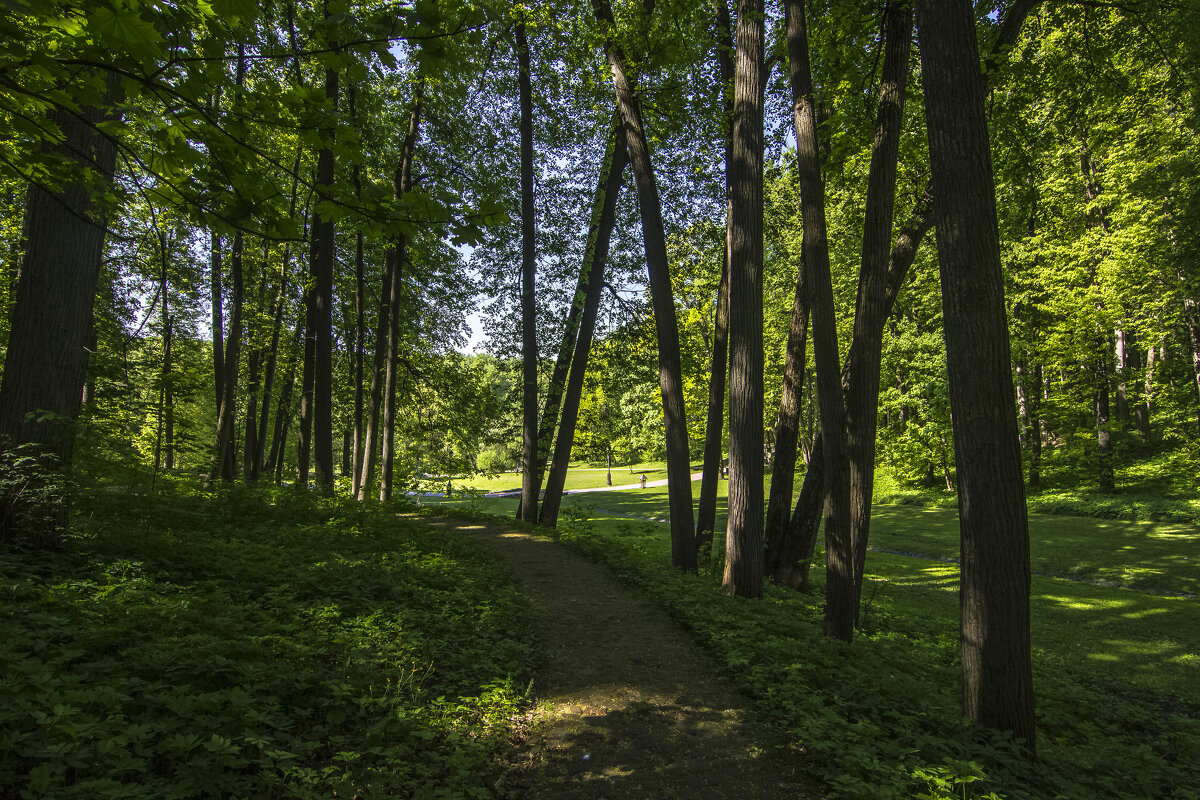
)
(839, 580)
(218, 322)
(269, 374)
(670, 372)
(531, 465)
(866, 351)
(371, 437)
(322, 271)
(251, 440)
(283, 409)
(1142, 412)
(167, 441)
(359, 348)
(995, 578)
(805, 521)
(402, 183)
(744, 538)
(604, 213)
(787, 432)
(307, 372)
(714, 425)
(222, 466)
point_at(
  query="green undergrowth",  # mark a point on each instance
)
(255, 644)
(880, 718)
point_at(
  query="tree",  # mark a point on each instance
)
(531, 472)
(744, 539)
(994, 573)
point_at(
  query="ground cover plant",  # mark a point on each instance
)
(252, 643)
(1116, 669)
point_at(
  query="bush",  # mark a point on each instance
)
(33, 497)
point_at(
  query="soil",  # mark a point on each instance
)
(626, 705)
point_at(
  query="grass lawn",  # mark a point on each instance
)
(579, 476)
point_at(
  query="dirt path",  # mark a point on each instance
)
(626, 705)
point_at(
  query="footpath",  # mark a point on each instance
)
(626, 705)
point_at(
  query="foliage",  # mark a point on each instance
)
(33, 497)
(255, 644)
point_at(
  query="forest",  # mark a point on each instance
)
(896, 302)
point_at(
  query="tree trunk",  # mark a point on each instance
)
(168, 366)
(307, 373)
(839, 581)
(744, 531)
(251, 440)
(283, 410)
(371, 438)
(1191, 319)
(866, 351)
(322, 272)
(1142, 413)
(604, 213)
(269, 373)
(995, 578)
(531, 473)
(222, 466)
(787, 433)
(1123, 354)
(218, 323)
(670, 372)
(402, 182)
(360, 344)
(706, 512)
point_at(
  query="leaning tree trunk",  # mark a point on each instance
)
(744, 531)
(787, 434)
(994, 574)
(670, 372)
(531, 468)
(839, 581)
(604, 214)
(866, 352)
(706, 510)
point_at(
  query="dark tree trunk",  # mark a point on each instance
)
(744, 539)
(604, 213)
(1142, 413)
(866, 351)
(222, 466)
(1029, 404)
(360, 344)
(269, 374)
(839, 582)
(531, 465)
(218, 324)
(283, 409)
(371, 438)
(402, 182)
(670, 372)
(706, 512)
(995, 578)
(322, 271)
(167, 450)
(307, 374)
(251, 441)
(787, 434)
(806, 517)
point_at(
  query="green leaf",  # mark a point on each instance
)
(126, 29)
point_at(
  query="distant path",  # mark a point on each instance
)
(627, 706)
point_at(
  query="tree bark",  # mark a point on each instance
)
(994, 572)
(322, 272)
(274, 465)
(531, 471)
(787, 434)
(1191, 319)
(744, 532)
(1103, 377)
(866, 351)
(371, 438)
(839, 581)
(222, 466)
(604, 213)
(706, 512)
(218, 322)
(402, 182)
(670, 373)
(307, 373)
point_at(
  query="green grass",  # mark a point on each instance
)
(1116, 670)
(255, 644)
(579, 476)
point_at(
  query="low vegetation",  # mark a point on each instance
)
(252, 643)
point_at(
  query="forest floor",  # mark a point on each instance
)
(625, 704)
